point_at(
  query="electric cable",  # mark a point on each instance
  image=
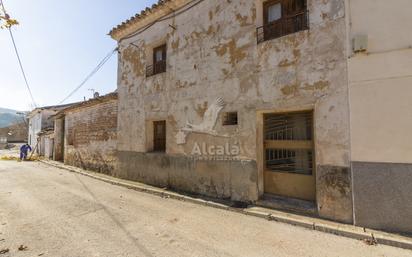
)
(94, 71)
(18, 57)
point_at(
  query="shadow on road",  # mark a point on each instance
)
(135, 240)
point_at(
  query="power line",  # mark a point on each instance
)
(174, 14)
(21, 68)
(94, 71)
(18, 58)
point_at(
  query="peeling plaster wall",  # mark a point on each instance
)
(213, 53)
(91, 138)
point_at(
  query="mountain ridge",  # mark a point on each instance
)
(9, 117)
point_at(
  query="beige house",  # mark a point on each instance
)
(380, 86)
(267, 101)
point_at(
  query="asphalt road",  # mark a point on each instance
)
(56, 213)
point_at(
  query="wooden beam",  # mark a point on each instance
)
(288, 144)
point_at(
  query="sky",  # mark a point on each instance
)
(60, 43)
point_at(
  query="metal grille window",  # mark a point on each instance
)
(289, 142)
(230, 118)
(159, 136)
(281, 18)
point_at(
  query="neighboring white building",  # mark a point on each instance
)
(380, 93)
(39, 120)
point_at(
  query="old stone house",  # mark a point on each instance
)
(85, 134)
(258, 101)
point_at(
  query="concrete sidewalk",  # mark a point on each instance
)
(368, 235)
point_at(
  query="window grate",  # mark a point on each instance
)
(297, 126)
(281, 18)
(290, 161)
(158, 67)
(289, 142)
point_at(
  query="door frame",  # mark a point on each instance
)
(260, 146)
(156, 147)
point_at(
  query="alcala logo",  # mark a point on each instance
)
(203, 150)
(207, 126)
(216, 150)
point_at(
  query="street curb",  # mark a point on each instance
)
(339, 229)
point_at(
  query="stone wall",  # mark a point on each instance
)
(216, 55)
(235, 180)
(90, 136)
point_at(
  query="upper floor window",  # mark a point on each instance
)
(159, 61)
(282, 17)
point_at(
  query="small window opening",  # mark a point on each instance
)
(230, 118)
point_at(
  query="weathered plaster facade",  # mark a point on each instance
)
(215, 55)
(90, 135)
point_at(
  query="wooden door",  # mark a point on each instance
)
(159, 137)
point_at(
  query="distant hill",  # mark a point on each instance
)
(9, 117)
(5, 110)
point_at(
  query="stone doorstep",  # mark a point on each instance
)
(287, 204)
(307, 222)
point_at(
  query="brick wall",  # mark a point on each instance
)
(90, 136)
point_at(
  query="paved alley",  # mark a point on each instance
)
(56, 213)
